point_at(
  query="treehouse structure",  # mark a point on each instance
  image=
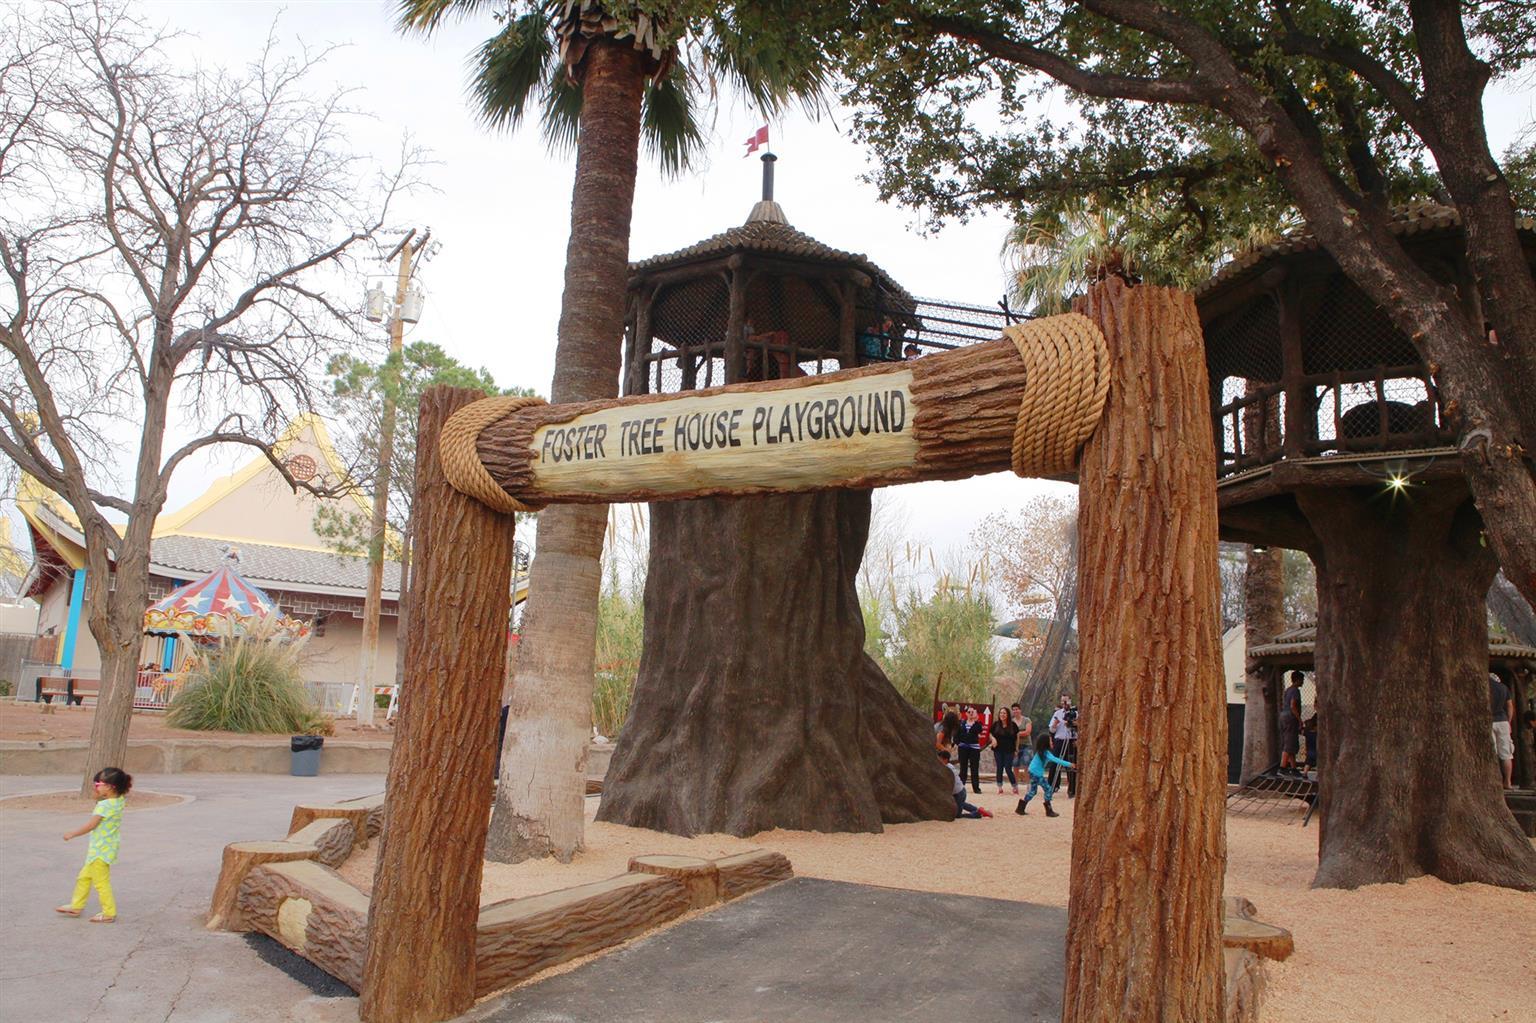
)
(1332, 438)
(762, 301)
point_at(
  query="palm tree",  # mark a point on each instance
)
(604, 76)
(1054, 254)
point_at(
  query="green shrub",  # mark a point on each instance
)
(5, 687)
(247, 685)
(620, 638)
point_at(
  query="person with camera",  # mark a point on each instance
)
(1063, 729)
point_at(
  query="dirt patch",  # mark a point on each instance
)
(73, 802)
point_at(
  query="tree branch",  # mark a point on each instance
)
(1063, 69)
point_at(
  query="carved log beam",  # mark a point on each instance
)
(945, 416)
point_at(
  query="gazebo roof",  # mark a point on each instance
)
(1301, 643)
(764, 234)
(1419, 219)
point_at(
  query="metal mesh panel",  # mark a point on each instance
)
(790, 320)
(1246, 344)
(1243, 353)
(686, 327)
(1363, 378)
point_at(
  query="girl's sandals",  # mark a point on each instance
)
(66, 910)
(102, 918)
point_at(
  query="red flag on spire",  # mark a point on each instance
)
(758, 140)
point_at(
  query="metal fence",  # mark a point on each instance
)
(791, 328)
(1360, 385)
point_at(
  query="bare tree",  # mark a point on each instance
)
(1032, 557)
(165, 235)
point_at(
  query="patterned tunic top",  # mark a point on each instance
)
(108, 835)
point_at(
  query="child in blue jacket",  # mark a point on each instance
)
(1037, 765)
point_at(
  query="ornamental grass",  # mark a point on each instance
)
(248, 684)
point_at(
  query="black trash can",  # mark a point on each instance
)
(306, 755)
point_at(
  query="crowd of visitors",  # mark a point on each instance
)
(961, 734)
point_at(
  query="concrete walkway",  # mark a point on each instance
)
(156, 963)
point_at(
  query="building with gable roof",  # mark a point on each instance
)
(252, 511)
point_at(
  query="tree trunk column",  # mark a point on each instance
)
(1148, 840)
(1409, 785)
(426, 891)
(1263, 620)
(756, 706)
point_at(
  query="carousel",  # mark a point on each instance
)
(222, 605)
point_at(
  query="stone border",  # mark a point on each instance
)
(290, 891)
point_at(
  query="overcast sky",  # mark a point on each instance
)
(501, 206)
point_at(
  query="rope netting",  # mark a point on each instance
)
(1066, 368)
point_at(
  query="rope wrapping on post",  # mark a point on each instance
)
(1066, 381)
(461, 461)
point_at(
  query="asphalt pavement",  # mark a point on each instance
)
(157, 963)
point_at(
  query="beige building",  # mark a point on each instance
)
(252, 511)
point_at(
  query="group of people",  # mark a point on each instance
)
(882, 344)
(960, 735)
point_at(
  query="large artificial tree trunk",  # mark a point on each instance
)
(1148, 831)
(420, 960)
(1263, 619)
(538, 808)
(1408, 785)
(756, 706)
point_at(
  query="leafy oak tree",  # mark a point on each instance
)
(362, 392)
(1208, 119)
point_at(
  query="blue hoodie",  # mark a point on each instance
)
(1037, 765)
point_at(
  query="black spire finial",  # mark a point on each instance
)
(768, 161)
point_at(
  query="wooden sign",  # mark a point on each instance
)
(944, 416)
(728, 441)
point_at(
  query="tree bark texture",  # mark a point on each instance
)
(1263, 620)
(965, 405)
(117, 593)
(538, 808)
(756, 706)
(1148, 840)
(1409, 785)
(426, 889)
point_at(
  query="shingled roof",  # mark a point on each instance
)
(1304, 641)
(270, 566)
(1419, 219)
(775, 239)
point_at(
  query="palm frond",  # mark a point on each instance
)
(561, 119)
(426, 16)
(770, 69)
(510, 67)
(667, 123)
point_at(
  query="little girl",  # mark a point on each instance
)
(1037, 764)
(105, 829)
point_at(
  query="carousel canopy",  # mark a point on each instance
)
(221, 603)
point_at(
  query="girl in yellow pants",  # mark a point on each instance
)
(105, 829)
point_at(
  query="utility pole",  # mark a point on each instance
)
(377, 529)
